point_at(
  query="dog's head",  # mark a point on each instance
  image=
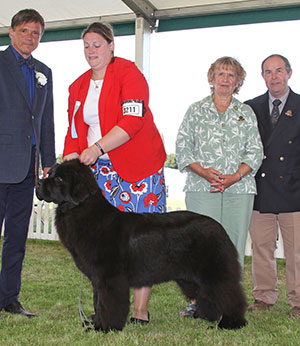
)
(70, 182)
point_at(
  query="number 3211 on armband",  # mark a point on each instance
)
(133, 107)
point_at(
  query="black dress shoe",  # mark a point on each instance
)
(17, 308)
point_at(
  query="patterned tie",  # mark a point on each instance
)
(275, 112)
(27, 62)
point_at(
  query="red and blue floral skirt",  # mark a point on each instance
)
(145, 196)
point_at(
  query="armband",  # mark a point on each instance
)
(133, 107)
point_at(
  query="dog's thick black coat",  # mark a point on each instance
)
(118, 250)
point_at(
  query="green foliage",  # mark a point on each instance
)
(59, 158)
(51, 286)
(171, 161)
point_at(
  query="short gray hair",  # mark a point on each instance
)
(285, 60)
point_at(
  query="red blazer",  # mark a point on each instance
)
(144, 153)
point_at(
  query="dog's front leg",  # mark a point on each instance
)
(96, 317)
(111, 304)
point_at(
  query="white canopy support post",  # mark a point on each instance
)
(142, 45)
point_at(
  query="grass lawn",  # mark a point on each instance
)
(51, 286)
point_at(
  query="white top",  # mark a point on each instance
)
(91, 113)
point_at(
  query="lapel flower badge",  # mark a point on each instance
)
(241, 118)
(289, 113)
(41, 79)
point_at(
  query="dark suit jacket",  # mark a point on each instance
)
(278, 179)
(18, 118)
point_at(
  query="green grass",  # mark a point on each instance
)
(51, 286)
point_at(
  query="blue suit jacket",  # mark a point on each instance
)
(18, 118)
(278, 179)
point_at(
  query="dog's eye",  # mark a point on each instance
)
(58, 179)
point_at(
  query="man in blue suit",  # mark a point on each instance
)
(278, 187)
(26, 135)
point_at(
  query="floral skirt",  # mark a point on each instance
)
(147, 195)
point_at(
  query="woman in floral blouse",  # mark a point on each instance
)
(219, 146)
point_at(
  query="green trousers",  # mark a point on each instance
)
(232, 211)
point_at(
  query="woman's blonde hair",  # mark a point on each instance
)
(226, 62)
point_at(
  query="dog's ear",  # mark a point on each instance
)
(83, 184)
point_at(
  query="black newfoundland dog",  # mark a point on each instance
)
(118, 250)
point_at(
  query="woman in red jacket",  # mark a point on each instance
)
(111, 127)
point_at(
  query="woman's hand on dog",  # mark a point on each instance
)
(89, 155)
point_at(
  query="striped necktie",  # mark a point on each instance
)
(275, 112)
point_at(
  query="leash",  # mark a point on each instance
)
(84, 319)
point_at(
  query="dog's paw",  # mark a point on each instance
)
(232, 323)
(98, 327)
(211, 316)
(207, 311)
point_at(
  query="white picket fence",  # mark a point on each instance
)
(42, 226)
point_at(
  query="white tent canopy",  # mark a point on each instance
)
(65, 19)
(62, 14)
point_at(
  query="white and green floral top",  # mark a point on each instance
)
(220, 141)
